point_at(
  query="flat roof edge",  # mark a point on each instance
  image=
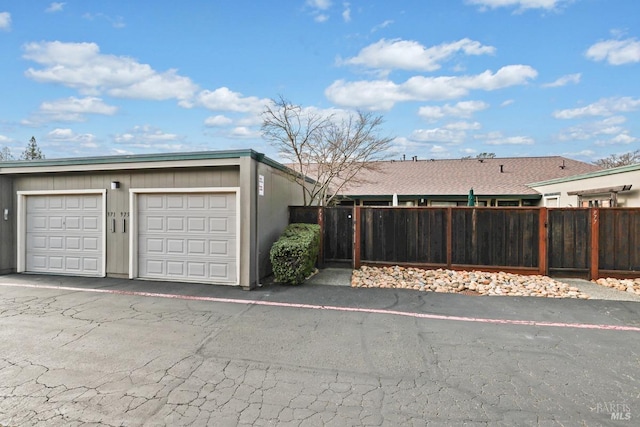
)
(6, 167)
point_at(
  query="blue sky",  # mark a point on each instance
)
(451, 78)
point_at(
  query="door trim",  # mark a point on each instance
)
(22, 223)
(133, 223)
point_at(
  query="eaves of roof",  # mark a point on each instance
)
(101, 162)
(600, 173)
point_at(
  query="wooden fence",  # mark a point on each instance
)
(572, 242)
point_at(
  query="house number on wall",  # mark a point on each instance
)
(112, 223)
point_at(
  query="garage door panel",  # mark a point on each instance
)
(152, 245)
(64, 234)
(56, 202)
(57, 242)
(90, 244)
(56, 223)
(219, 270)
(90, 203)
(196, 240)
(73, 203)
(221, 247)
(175, 224)
(196, 224)
(196, 201)
(197, 246)
(72, 243)
(175, 247)
(218, 202)
(73, 222)
(91, 223)
(175, 268)
(154, 223)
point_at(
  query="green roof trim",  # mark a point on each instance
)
(142, 158)
(604, 172)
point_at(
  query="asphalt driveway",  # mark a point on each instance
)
(119, 352)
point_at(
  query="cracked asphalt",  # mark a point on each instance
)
(207, 356)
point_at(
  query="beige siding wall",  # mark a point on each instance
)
(273, 211)
(7, 227)
(118, 200)
(627, 199)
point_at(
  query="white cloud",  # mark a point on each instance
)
(439, 135)
(319, 7)
(520, 4)
(346, 13)
(148, 137)
(463, 126)
(219, 120)
(224, 99)
(72, 109)
(507, 102)
(602, 132)
(461, 109)
(117, 22)
(497, 138)
(411, 55)
(615, 52)
(383, 25)
(5, 21)
(319, 4)
(383, 94)
(565, 80)
(624, 138)
(438, 149)
(603, 107)
(242, 132)
(4, 139)
(81, 66)
(84, 140)
(55, 7)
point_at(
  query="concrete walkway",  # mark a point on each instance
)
(342, 277)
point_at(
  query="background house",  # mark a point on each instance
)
(604, 188)
(495, 182)
(206, 217)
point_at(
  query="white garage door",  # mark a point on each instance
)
(64, 234)
(187, 237)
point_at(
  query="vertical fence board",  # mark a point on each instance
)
(557, 241)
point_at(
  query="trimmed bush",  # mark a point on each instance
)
(294, 255)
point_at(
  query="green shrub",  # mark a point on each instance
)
(294, 255)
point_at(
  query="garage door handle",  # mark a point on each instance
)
(124, 225)
(113, 225)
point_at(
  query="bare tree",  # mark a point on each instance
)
(5, 154)
(326, 152)
(613, 161)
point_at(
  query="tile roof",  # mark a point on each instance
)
(456, 177)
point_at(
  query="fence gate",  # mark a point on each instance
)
(569, 244)
(338, 234)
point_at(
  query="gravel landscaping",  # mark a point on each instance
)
(477, 282)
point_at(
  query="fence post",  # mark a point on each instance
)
(449, 237)
(322, 236)
(542, 242)
(595, 244)
(356, 237)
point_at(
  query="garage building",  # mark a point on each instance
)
(204, 217)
